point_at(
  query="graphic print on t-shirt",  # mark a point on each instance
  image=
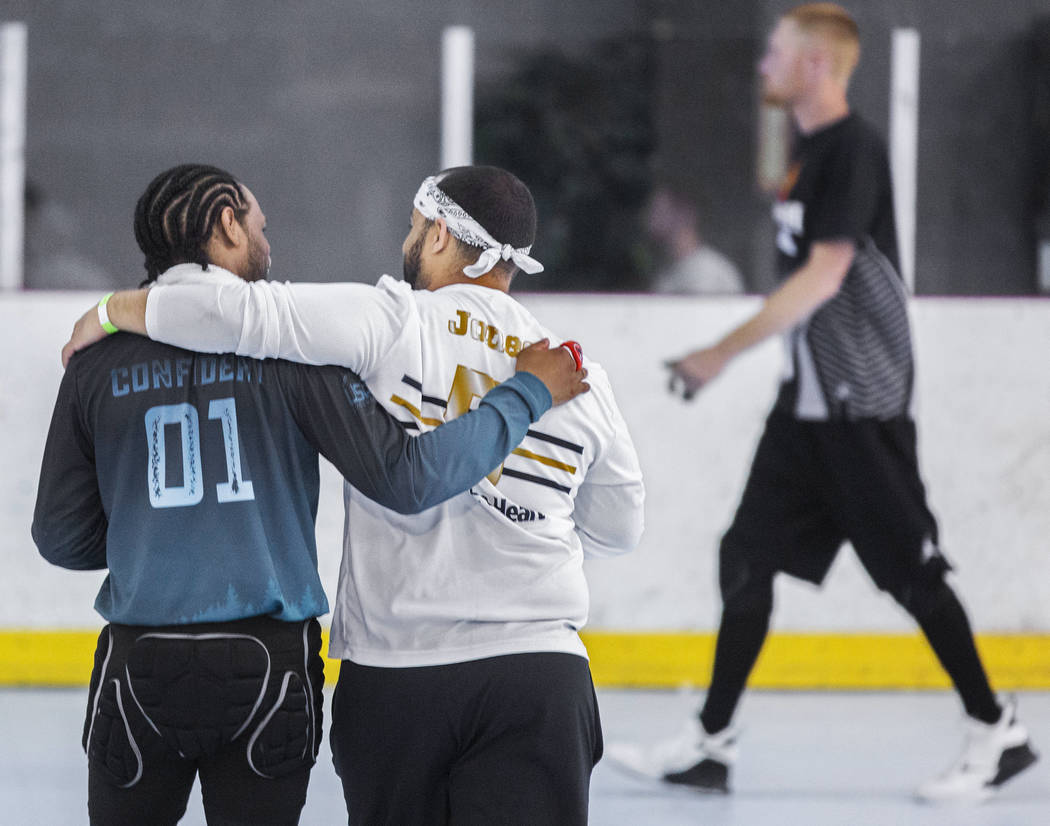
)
(468, 387)
(851, 359)
(789, 215)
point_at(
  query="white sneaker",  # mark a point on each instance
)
(693, 758)
(992, 755)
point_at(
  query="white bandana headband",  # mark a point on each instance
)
(432, 204)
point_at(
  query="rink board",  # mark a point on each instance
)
(653, 660)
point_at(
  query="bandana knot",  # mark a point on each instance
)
(432, 204)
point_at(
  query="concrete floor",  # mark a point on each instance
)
(812, 759)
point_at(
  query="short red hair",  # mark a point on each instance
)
(835, 28)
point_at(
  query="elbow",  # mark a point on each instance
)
(411, 499)
(409, 507)
(416, 496)
(635, 535)
(829, 267)
(830, 285)
(634, 525)
(620, 523)
(622, 540)
(45, 544)
(64, 552)
(631, 536)
(404, 483)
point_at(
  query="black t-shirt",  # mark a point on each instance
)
(852, 358)
(837, 187)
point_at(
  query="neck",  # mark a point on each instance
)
(491, 280)
(221, 255)
(828, 105)
(685, 241)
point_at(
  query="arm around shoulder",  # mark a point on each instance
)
(371, 449)
(351, 325)
(124, 310)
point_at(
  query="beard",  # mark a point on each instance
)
(411, 265)
(784, 91)
(771, 97)
(257, 267)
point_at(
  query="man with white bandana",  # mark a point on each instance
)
(464, 694)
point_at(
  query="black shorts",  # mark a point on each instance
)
(238, 703)
(491, 742)
(815, 485)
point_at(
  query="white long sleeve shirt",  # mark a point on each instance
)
(495, 570)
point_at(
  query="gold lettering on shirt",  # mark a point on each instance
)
(488, 334)
(459, 327)
(468, 386)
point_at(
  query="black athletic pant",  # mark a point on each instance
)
(502, 741)
(238, 703)
(742, 634)
(812, 487)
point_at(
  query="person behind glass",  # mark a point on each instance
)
(194, 479)
(693, 267)
(837, 461)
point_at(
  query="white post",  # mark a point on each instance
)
(457, 96)
(774, 146)
(12, 153)
(904, 143)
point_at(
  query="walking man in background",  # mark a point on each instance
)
(837, 461)
(464, 694)
(194, 480)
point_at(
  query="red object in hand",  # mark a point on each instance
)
(576, 350)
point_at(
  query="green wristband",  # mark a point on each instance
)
(103, 315)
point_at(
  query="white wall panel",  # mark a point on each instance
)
(984, 430)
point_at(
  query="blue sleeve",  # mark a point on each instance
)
(343, 421)
(69, 523)
(462, 452)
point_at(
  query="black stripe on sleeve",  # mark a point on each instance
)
(411, 382)
(554, 440)
(538, 480)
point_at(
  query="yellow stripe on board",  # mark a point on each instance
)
(651, 660)
(813, 660)
(57, 658)
(46, 657)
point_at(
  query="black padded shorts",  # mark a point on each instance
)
(238, 703)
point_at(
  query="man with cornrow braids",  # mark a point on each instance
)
(194, 479)
(464, 694)
(178, 210)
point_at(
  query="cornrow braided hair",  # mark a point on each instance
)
(175, 215)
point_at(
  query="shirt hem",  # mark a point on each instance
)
(412, 659)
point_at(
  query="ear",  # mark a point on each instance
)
(441, 237)
(228, 229)
(820, 59)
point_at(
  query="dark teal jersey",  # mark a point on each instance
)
(194, 478)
